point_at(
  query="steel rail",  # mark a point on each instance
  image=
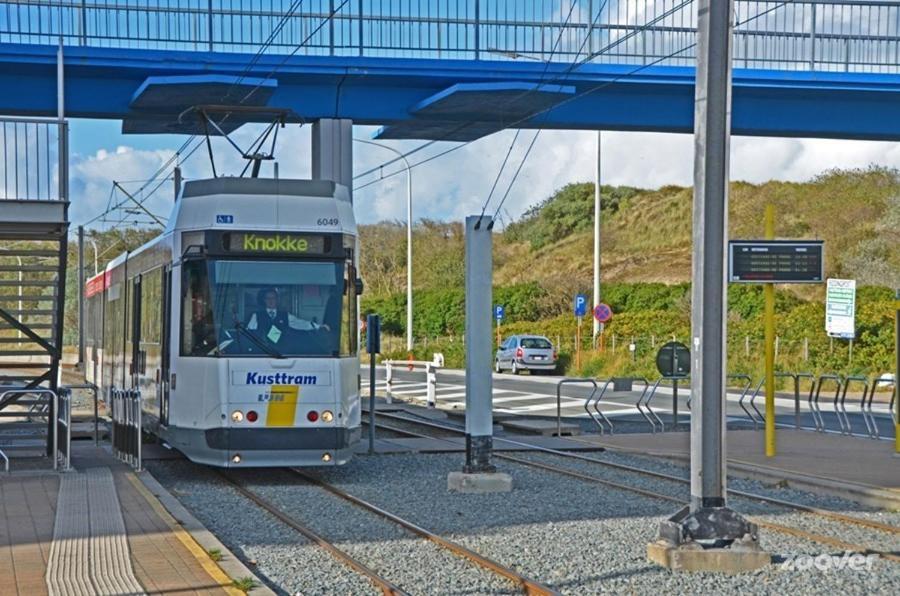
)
(384, 585)
(771, 500)
(528, 586)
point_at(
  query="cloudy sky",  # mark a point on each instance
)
(457, 184)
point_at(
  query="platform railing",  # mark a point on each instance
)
(63, 429)
(811, 35)
(126, 425)
(52, 413)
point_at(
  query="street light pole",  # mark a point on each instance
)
(597, 223)
(409, 225)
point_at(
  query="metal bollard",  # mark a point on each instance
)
(389, 382)
(431, 382)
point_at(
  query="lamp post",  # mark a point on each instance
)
(409, 224)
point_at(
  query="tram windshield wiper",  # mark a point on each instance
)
(258, 342)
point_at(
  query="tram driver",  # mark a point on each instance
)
(271, 322)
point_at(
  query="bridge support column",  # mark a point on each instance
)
(707, 535)
(479, 474)
(332, 151)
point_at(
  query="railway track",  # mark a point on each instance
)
(789, 530)
(526, 585)
(379, 582)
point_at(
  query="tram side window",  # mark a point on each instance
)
(198, 332)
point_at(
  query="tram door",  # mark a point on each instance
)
(133, 346)
(165, 348)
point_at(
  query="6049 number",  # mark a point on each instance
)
(328, 221)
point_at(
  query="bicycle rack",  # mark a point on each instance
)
(649, 415)
(600, 419)
(886, 381)
(812, 387)
(820, 421)
(640, 406)
(748, 382)
(761, 416)
(870, 424)
(840, 405)
(867, 410)
(570, 381)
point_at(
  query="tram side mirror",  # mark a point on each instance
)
(358, 286)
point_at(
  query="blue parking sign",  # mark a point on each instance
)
(580, 305)
(499, 312)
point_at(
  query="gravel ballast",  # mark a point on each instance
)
(576, 536)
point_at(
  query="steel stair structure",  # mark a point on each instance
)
(33, 257)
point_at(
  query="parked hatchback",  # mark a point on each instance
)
(526, 352)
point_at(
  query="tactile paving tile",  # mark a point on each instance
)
(89, 553)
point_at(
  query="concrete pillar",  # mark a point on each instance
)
(332, 151)
(479, 473)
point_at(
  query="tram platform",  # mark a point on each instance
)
(863, 470)
(101, 528)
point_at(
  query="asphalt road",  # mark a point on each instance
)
(535, 396)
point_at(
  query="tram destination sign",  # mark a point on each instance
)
(776, 261)
(276, 243)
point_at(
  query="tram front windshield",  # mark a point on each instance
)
(267, 308)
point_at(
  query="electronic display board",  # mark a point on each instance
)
(776, 261)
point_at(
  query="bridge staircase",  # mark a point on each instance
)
(33, 256)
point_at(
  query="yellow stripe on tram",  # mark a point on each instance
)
(283, 405)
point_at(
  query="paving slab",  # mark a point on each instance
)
(860, 469)
(135, 548)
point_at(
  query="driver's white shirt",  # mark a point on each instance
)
(293, 322)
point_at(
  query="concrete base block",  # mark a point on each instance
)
(494, 482)
(693, 557)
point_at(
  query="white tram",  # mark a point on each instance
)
(238, 324)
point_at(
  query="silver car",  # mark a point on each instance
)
(526, 352)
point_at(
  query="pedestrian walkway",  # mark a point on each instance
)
(96, 530)
(857, 468)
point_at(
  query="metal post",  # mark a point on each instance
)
(707, 522)
(711, 146)
(769, 324)
(674, 404)
(81, 299)
(597, 223)
(897, 374)
(479, 415)
(797, 402)
(389, 380)
(209, 24)
(371, 404)
(176, 178)
(409, 250)
(477, 30)
(431, 385)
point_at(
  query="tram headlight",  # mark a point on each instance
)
(236, 458)
(237, 416)
(327, 416)
(326, 457)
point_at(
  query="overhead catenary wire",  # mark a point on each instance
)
(246, 70)
(543, 111)
(564, 102)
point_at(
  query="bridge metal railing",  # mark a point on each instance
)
(31, 166)
(813, 35)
